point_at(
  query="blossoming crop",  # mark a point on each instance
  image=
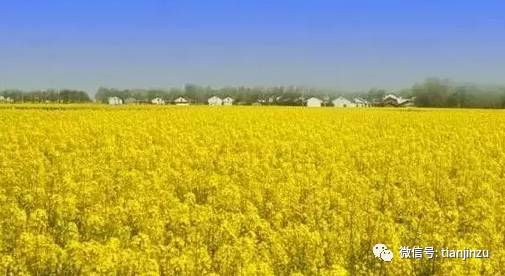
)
(247, 190)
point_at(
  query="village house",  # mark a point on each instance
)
(342, 102)
(359, 102)
(228, 101)
(393, 100)
(390, 99)
(215, 100)
(181, 101)
(314, 102)
(266, 100)
(115, 101)
(158, 101)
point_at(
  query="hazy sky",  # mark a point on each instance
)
(345, 44)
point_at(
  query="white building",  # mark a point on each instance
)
(342, 102)
(115, 101)
(158, 100)
(181, 101)
(394, 100)
(314, 102)
(359, 102)
(391, 97)
(228, 101)
(2, 99)
(214, 100)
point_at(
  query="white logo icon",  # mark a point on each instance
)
(381, 251)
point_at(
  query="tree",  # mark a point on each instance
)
(376, 95)
(432, 93)
(192, 91)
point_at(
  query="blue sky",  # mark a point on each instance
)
(352, 45)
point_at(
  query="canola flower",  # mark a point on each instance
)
(93, 190)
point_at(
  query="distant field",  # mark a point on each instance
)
(248, 190)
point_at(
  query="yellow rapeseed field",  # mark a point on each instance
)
(248, 190)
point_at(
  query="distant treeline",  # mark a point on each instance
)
(43, 96)
(430, 93)
(442, 93)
